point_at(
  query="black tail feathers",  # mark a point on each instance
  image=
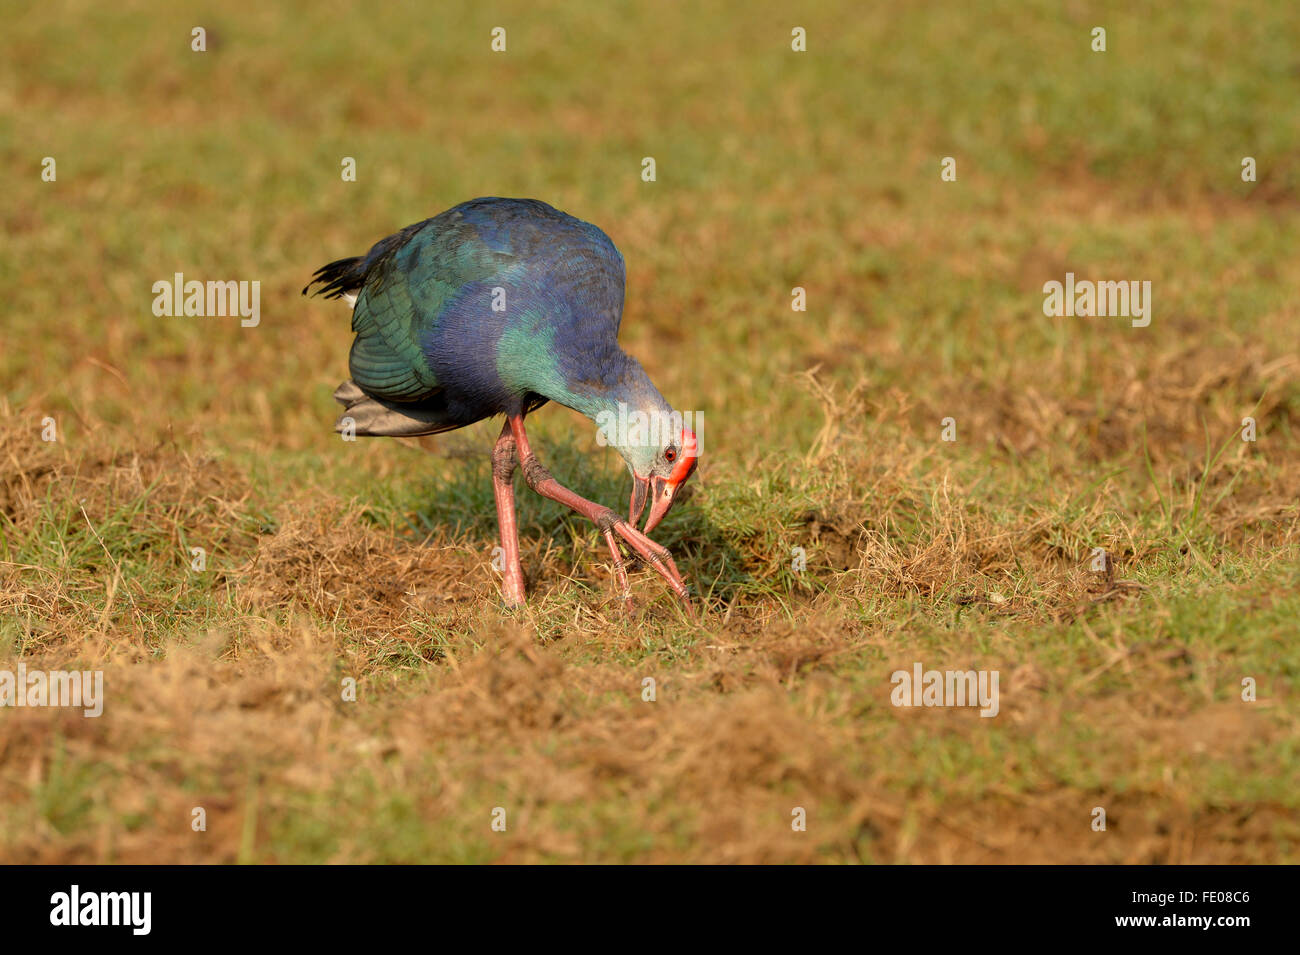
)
(349, 275)
(338, 278)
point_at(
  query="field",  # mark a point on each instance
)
(839, 528)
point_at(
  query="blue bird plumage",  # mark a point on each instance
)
(431, 346)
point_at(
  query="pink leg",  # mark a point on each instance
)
(609, 522)
(503, 471)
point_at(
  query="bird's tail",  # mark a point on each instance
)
(366, 416)
(344, 277)
(347, 276)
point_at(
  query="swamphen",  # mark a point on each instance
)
(492, 308)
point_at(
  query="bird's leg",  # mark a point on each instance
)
(503, 487)
(608, 520)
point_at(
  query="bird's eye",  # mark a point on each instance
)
(670, 455)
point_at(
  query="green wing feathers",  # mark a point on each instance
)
(386, 358)
(397, 311)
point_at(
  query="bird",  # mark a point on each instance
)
(496, 307)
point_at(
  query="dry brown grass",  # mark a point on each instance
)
(714, 767)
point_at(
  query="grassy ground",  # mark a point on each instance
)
(327, 560)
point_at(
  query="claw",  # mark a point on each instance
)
(658, 558)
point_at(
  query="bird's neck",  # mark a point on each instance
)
(622, 389)
(627, 408)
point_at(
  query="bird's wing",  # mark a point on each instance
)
(408, 281)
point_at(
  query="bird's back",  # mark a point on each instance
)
(481, 305)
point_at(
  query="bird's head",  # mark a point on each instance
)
(658, 473)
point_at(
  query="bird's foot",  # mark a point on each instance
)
(614, 527)
(513, 601)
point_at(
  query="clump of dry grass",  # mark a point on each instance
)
(1166, 399)
(163, 486)
(326, 558)
(89, 528)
